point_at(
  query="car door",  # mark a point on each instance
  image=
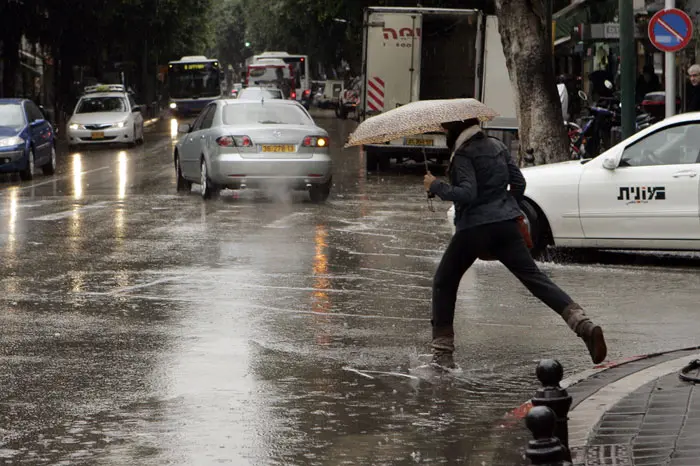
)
(40, 132)
(649, 194)
(189, 153)
(203, 137)
(137, 115)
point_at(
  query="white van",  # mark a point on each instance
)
(264, 71)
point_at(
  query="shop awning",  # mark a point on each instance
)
(568, 18)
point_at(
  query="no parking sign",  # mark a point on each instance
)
(670, 30)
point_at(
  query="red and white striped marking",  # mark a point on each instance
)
(375, 94)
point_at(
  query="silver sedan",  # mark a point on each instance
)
(240, 144)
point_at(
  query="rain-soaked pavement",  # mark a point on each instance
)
(144, 327)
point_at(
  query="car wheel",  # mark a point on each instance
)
(50, 167)
(28, 173)
(183, 185)
(538, 229)
(209, 189)
(319, 193)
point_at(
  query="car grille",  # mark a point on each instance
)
(99, 126)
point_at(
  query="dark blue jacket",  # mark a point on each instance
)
(480, 173)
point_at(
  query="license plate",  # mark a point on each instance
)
(98, 135)
(278, 148)
(418, 142)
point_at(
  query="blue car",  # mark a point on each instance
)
(27, 139)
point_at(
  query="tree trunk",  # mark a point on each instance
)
(528, 53)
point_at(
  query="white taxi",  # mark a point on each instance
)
(643, 194)
(105, 113)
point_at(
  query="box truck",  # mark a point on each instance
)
(412, 54)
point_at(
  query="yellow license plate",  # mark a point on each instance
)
(98, 135)
(418, 142)
(278, 148)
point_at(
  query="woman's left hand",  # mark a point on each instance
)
(428, 180)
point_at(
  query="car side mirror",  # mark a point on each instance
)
(136, 108)
(184, 128)
(610, 163)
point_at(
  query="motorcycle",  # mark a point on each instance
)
(595, 135)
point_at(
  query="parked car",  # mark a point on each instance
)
(643, 193)
(330, 94)
(27, 139)
(240, 144)
(105, 114)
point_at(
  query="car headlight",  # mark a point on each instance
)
(11, 141)
(173, 105)
(74, 126)
(120, 124)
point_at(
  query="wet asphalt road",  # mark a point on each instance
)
(144, 327)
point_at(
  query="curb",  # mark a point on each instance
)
(521, 411)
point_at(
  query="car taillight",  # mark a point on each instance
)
(234, 141)
(293, 95)
(315, 141)
(307, 92)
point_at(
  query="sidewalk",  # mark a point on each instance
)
(635, 412)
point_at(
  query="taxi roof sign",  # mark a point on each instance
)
(105, 88)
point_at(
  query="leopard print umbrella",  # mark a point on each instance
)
(420, 117)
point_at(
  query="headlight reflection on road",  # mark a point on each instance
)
(12, 226)
(173, 128)
(320, 299)
(77, 176)
(122, 174)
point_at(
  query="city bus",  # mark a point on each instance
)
(192, 83)
(301, 71)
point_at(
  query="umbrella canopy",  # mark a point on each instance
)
(419, 117)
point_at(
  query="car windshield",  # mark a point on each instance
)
(257, 94)
(11, 116)
(265, 113)
(101, 104)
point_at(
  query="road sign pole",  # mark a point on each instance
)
(670, 73)
(628, 65)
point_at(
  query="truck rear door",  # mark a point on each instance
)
(392, 76)
(497, 91)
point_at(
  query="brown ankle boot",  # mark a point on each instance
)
(443, 347)
(590, 333)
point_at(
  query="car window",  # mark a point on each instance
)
(257, 94)
(11, 116)
(676, 145)
(209, 117)
(101, 104)
(265, 113)
(33, 112)
(197, 125)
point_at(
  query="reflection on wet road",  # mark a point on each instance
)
(145, 327)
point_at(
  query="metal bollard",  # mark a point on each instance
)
(546, 449)
(550, 373)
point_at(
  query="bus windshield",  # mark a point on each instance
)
(193, 80)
